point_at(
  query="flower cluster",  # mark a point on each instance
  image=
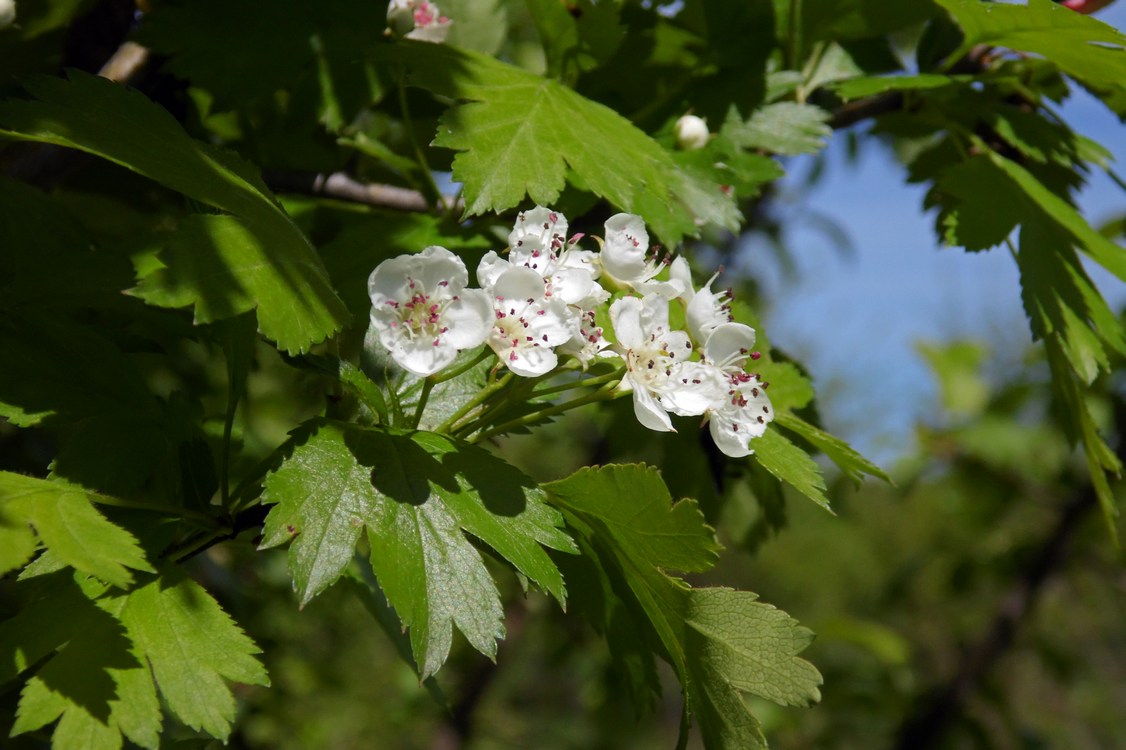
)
(541, 302)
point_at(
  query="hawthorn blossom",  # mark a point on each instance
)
(587, 342)
(657, 367)
(422, 312)
(7, 13)
(417, 19)
(625, 253)
(691, 133)
(528, 324)
(705, 310)
(741, 417)
(743, 412)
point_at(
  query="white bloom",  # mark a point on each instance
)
(691, 132)
(417, 19)
(543, 224)
(587, 342)
(706, 310)
(7, 13)
(625, 250)
(528, 324)
(741, 417)
(657, 370)
(422, 311)
(744, 411)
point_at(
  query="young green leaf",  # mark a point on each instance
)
(417, 494)
(852, 463)
(791, 465)
(68, 524)
(720, 642)
(784, 128)
(521, 134)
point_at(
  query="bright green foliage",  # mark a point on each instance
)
(720, 642)
(852, 463)
(858, 88)
(1080, 45)
(114, 652)
(102, 118)
(790, 464)
(522, 134)
(417, 494)
(68, 524)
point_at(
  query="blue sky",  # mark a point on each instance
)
(855, 320)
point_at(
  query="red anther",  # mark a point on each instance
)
(755, 355)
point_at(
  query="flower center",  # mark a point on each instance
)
(421, 315)
(513, 325)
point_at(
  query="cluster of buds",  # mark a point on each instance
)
(541, 302)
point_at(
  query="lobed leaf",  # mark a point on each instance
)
(520, 134)
(71, 528)
(418, 494)
(720, 642)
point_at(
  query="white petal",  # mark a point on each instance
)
(649, 413)
(468, 319)
(531, 362)
(693, 388)
(681, 272)
(729, 345)
(490, 268)
(728, 438)
(625, 318)
(540, 222)
(519, 283)
(421, 357)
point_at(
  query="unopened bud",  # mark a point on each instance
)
(7, 13)
(691, 132)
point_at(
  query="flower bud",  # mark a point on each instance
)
(691, 132)
(7, 13)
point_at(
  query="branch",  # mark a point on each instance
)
(344, 187)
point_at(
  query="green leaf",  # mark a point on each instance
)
(979, 206)
(1080, 45)
(858, 88)
(860, 19)
(191, 645)
(226, 265)
(791, 465)
(852, 463)
(521, 134)
(48, 259)
(417, 494)
(69, 525)
(100, 117)
(114, 652)
(784, 128)
(720, 642)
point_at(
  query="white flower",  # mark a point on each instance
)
(422, 311)
(587, 342)
(417, 19)
(543, 224)
(744, 411)
(528, 324)
(691, 132)
(741, 417)
(657, 370)
(706, 310)
(625, 250)
(7, 13)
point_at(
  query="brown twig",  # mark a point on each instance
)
(344, 187)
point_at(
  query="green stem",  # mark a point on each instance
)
(485, 352)
(602, 394)
(482, 396)
(169, 510)
(587, 383)
(427, 386)
(419, 154)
